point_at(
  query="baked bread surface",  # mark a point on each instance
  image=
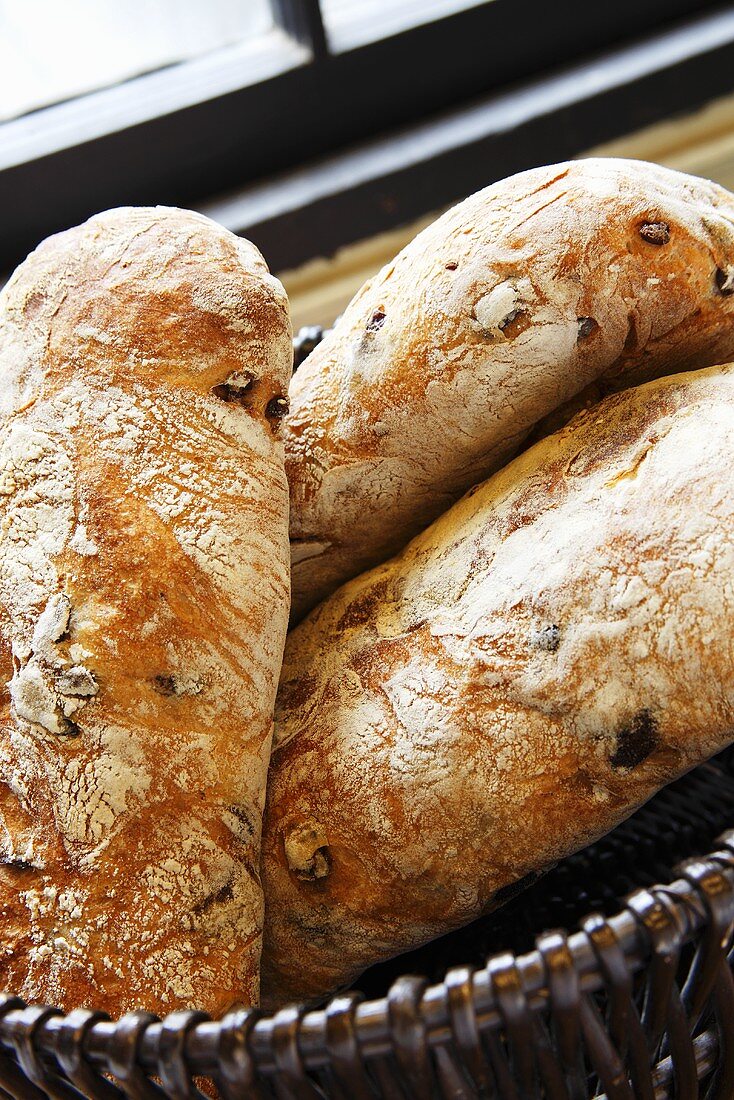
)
(576, 278)
(530, 669)
(143, 606)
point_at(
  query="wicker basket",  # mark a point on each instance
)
(637, 1005)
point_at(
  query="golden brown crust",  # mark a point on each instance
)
(143, 606)
(593, 273)
(531, 668)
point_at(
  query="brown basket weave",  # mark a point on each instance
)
(637, 1005)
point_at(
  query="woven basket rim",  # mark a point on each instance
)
(685, 905)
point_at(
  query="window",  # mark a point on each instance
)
(52, 51)
(331, 119)
(351, 23)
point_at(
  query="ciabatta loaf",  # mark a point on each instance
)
(143, 609)
(530, 669)
(596, 273)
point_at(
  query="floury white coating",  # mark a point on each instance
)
(143, 609)
(537, 663)
(553, 286)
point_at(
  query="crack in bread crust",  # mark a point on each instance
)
(143, 607)
(499, 321)
(533, 666)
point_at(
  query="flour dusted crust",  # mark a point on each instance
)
(593, 273)
(531, 668)
(143, 608)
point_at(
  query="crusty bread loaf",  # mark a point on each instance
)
(529, 670)
(143, 609)
(597, 271)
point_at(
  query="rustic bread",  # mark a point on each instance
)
(143, 609)
(602, 272)
(530, 669)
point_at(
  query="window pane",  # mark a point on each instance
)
(351, 23)
(51, 50)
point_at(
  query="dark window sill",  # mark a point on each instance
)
(535, 87)
(400, 177)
